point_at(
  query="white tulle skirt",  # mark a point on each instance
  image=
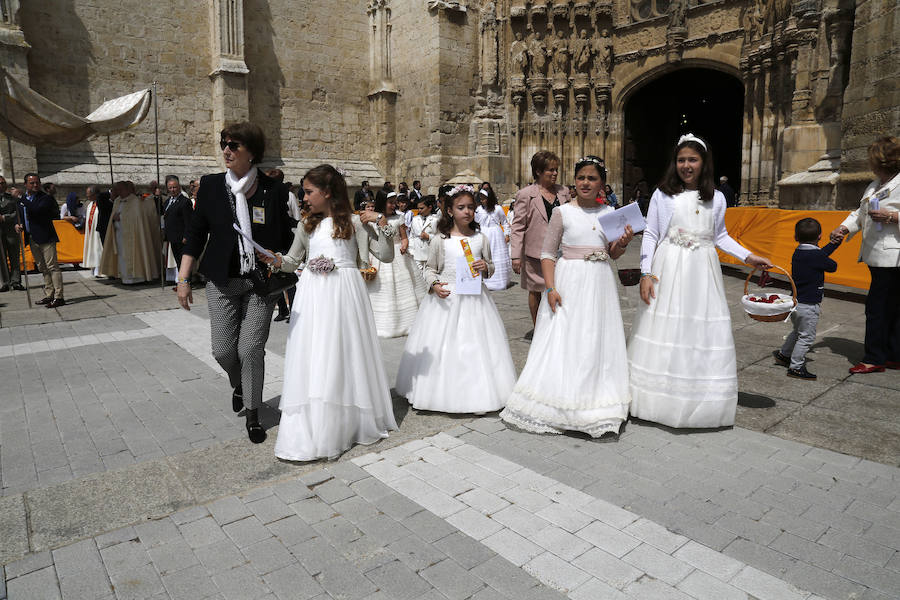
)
(681, 352)
(395, 294)
(457, 358)
(500, 256)
(576, 375)
(335, 392)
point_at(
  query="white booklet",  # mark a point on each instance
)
(466, 284)
(259, 248)
(614, 222)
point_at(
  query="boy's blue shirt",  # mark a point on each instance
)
(808, 267)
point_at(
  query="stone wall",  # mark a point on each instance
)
(872, 99)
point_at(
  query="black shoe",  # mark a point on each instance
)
(801, 373)
(781, 359)
(4, 288)
(255, 432)
(237, 399)
(57, 303)
(18, 287)
(282, 317)
(46, 300)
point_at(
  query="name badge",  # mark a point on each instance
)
(259, 215)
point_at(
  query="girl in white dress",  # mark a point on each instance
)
(456, 358)
(492, 219)
(424, 225)
(681, 351)
(335, 392)
(398, 287)
(575, 378)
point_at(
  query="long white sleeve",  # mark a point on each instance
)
(725, 242)
(654, 231)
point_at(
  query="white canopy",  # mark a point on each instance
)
(28, 117)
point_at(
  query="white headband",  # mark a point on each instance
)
(483, 191)
(690, 137)
(391, 194)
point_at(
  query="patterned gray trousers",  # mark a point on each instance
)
(239, 323)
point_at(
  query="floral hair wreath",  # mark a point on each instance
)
(460, 189)
(690, 137)
(341, 172)
(589, 159)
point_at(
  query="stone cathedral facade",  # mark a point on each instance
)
(788, 92)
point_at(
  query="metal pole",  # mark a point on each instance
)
(112, 181)
(164, 254)
(24, 270)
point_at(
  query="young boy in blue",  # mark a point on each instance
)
(808, 267)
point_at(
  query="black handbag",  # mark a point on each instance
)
(268, 284)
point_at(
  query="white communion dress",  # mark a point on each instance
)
(397, 290)
(681, 351)
(456, 358)
(576, 374)
(336, 392)
(494, 225)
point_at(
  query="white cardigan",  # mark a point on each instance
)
(659, 215)
(878, 248)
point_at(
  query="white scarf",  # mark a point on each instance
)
(240, 187)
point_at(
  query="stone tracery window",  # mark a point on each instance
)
(648, 9)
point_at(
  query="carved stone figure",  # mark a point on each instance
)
(538, 51)
(677, 16)
(446, 4)
(518, 52)
(560, 54)
(582, 50)
(604, 52)
(489, 44)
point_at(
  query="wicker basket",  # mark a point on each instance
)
(782, 316)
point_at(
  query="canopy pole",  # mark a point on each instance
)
(164, 255)
(112, 180)
(21, 236)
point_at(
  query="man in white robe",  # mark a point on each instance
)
(93, 245)
(133, 245)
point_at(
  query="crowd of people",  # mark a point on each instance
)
(399, 262)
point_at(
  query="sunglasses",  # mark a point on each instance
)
(232, 145)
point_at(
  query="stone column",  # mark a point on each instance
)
(231, 100)
(383, 94)
(14, 58)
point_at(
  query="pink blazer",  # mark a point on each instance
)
(526, 237)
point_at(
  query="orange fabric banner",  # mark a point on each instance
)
(769, 232)
(70, 247)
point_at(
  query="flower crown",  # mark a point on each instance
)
(460, 189)
(589, 159)
(690, 137)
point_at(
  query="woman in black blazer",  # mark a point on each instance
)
(239, 318)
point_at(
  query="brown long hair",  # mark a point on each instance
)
(327, 178)
(671, 183)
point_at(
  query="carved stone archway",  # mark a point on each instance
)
(704, 98)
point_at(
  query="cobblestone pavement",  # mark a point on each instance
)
(482, 511)
(124, 474)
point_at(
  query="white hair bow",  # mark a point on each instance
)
(690, 137)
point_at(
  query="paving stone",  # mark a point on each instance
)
(593, 589)
(333, 491)
(29, 564)
(292, 491)
(40, 584)
(883, 580)
(428, 526)
(202, 532)
(371, 489)
(338, 530)
(655, 535)
(115, 537)
(512, 547)
(141, 582)
(810, 578)
(474, 524)
(608, 513)
(607, 568)
(709, 561)
(291, 530)
(312, 510)
(220, 556)
(522, 522)
(191, 582)
(856, 546)
(229, 509)
(172, 556)
(465, 551)
(289, 583)
(270, 508)
(344, 583)
(415, 553)
(240, 583)
(398, 581)
(608, 538)
(765, 587)
(154, 533)
(268, 555)
(246, 532)
(451, 580)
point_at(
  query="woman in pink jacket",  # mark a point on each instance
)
(533, 206)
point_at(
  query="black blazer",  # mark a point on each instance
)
(212, 218)
(41, 211)
(177, 218)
